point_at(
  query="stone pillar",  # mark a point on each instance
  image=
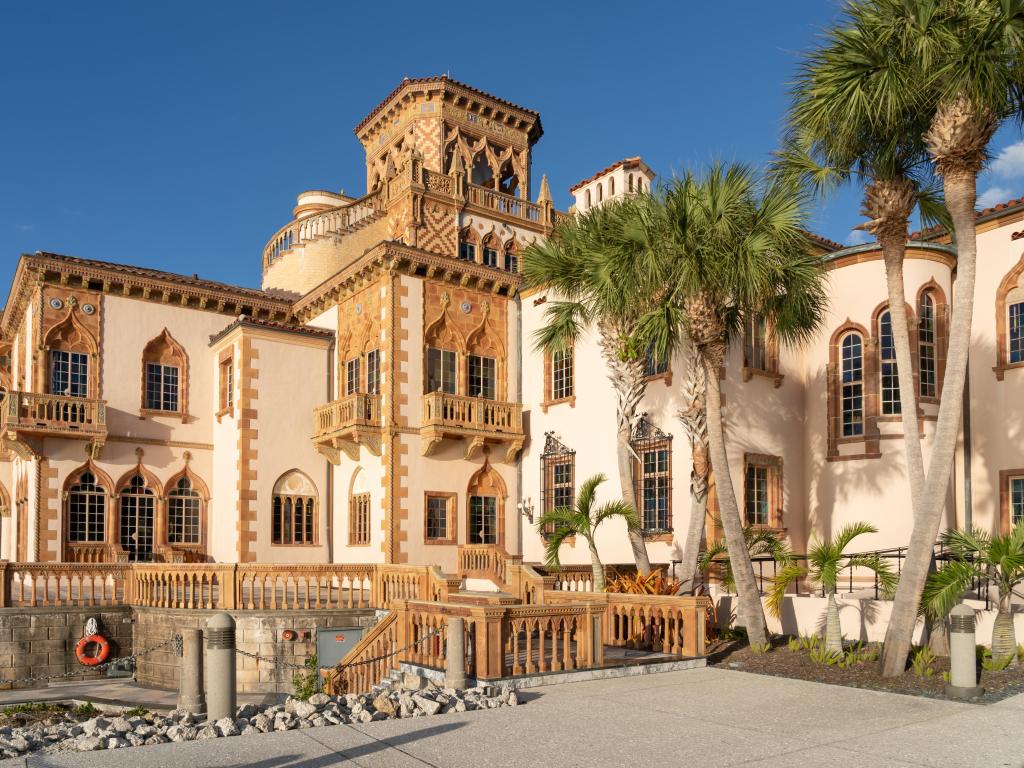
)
(190, 688)
(455, 667)
(963, 676)
(220, 659)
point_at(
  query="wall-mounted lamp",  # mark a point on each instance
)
(526, 509)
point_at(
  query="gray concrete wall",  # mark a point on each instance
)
(40, 642)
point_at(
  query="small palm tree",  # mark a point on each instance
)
(760, 541)
(598, 265)
(825, 561)
(978, 557)
(583, 520)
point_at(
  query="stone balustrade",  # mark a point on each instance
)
(476, 419)
(336, 221)
(487, 561)
(53, 415)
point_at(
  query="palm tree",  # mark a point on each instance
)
(759, 541)
(825, 562)
(734, 249)
(597, 263)
(980, 558)
(694, 418)
(583, 520)
(896, 75)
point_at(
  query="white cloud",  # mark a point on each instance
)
(857, 237)
(1010, 162)
(993, 196)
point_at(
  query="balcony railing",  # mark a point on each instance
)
(507, 204)
(34, 413)
(347, 423)
(336, 221)
(476, 418)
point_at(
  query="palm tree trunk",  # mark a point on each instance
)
(596, 567)
(833, 627)
(627, 377)
(695, 421)
(750, 610)
(1004, 637)
(960, 193)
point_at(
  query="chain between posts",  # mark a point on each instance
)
(173, 642)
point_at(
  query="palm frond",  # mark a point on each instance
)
(784, 579)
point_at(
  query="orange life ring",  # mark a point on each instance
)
(99, 658)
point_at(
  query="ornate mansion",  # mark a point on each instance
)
(380, 399)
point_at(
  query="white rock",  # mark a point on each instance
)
(226, 727)
(89, 744)
(428, 706)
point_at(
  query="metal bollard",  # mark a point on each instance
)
(220, 660)
(190, 684)
(455, 666)
(963, 675)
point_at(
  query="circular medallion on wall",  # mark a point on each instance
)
(56, 303)
(88, 309)
(466, 307)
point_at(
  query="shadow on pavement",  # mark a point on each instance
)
(346, 754)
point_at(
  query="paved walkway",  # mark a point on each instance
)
(696, 717)
(121, 692)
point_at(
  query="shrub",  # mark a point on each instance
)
(306, 682)
(654, 583)
(922, 662)
(86, 709)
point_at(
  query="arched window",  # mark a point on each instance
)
(70, 347)
(483, 174)
(511, 257)
(890, 381)
(443, 343)
(468, 245)
(639, 184)
(294, 510)
(852, 394)
(558, 469)
(184, 513)
(588, 198)
(87, 510)
(1010, 321)
(926, 335)
(485, 498)
(611, 187)
(490, 251)
(165, 375)
(630, 185)
(600, 192)
(137, 512)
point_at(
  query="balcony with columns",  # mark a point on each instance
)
(28, 415)
(475, 420)
(343, 425)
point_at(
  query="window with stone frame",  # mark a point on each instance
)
(483, 520)
(184, 514)
(137, 512)
(511, 258)
(558, 477)
(439, 522)
(561, 378)
(162, 383)
(87, 510)
(1010, 321)
(226, 379)
(927, 334)
(654, 365)
(755, 345)
(652, 476)
(442, 371)
(482, 377)
(373, 372)
(165, 375)
(1016, 500)
(852, 385)
(1015, 335)
(352, 376)
(762, 490)
(889, 382)
(359, 520)
(294, 510)
(69, 373)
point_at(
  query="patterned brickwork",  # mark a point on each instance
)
(427, 133)
(438, 231)
(49, 513)
(247, 453)
(397, 387)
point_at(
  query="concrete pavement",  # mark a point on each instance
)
(702, 716)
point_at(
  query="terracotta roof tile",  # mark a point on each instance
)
(245, 320)
(938, 229)
(629, 162)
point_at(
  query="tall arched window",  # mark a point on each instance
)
(294, 510)
(890, 382)
(600, 192)
(852, 394)
(588, 198)
(165, 375)
(926, 345)
(184, 514)
(611, 187)
(137, 512)
(630, 185)
(87, 510)
(1010, 321)
(485, 498)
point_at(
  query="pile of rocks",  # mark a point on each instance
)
(64, 733)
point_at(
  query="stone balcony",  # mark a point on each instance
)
(26, 415)
(345, 424)
(475, 420)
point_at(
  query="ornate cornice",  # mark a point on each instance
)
(137, 283)
(396, 257)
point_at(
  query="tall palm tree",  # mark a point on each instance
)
(825, 562)
(897, 76)
(978, 557)
(694, 418)
(734, 249)
(583, 520)
(598, 265)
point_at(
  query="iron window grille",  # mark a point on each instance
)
(652, 476)
(558, 477)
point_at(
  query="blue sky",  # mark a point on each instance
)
(176, 135)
